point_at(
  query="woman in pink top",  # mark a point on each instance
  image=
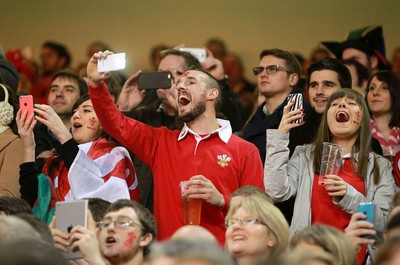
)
(383, 101)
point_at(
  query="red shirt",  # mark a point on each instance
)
(228, 162)
(323, 210)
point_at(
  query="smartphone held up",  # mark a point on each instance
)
(113, 62)
(368, 209)
(26, 104)
(154, 80)
(68, 215)
(199, 53)
(298, 99)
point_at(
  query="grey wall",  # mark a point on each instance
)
(247, 26)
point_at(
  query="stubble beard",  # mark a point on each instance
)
(199, 109)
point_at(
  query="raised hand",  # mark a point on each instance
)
(25, 130)
(359, 232)
(94, 76)
(50, 118)
(288, 117)
(130, 96)
(213, 66)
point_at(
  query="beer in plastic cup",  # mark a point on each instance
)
(331, 161)
(191, 207)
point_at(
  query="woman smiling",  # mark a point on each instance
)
(256, 231)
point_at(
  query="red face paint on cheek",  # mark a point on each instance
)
(357, 118)
(92, 125)
(185, 74)
(131, 240)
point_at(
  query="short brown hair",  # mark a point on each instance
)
(292, 64)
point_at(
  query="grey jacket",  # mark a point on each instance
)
(284, 179)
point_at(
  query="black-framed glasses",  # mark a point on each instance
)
(119, 223)
(242, 222)
(271, 69)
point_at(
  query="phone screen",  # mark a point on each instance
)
(113, 62)
(154, 80)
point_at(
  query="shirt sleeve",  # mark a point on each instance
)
(68, 151)
(280, 176)
(28, 182)
(140, 138)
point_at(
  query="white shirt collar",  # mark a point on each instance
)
(224, 131)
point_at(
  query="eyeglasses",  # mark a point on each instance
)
(120, 223)
(271, 69)
(245, 222)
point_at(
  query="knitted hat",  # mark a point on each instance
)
(366, 39)
(8, 74)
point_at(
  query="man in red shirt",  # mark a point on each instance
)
(205, 151)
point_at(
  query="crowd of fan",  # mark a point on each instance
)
(250, 157)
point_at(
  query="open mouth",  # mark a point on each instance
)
(110, 240)
(77, 125)
(342, 116)
(184, 99)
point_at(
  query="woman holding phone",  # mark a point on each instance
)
(364, 176)
(89, 165)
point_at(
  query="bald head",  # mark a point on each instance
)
(12, 227)
(194, 231)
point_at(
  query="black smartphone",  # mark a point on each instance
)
(298, 99)
(154, 80)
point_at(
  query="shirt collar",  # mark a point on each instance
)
(348, 155)
(224, 131)
(281, 105)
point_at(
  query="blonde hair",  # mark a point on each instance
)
(330, 239)
(268, 214)
(302, 257)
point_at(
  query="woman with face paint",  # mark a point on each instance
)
(363, 177)
(89, 165)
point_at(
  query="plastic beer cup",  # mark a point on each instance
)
(191, 207)
(331, 161)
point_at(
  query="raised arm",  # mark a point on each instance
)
(25, 130)
(134, 135)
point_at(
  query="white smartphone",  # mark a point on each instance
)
(68, 215)
(113, 62)
(199, 53)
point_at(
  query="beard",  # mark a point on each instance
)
(199, 109)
